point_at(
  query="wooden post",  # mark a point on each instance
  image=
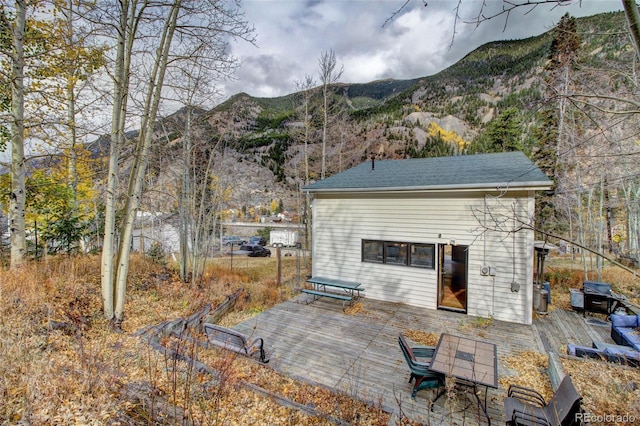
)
(278, 265)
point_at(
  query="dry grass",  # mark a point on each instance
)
(60, 364)
(607, 389)
(563, 274)
(531, 368)
(422, 338)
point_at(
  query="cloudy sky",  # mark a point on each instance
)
(417, 42)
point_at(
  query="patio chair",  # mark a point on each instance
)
(524, 406)
(419, 359)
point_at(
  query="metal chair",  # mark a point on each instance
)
(424, 378)
(524, 406)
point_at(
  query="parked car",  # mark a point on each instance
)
(232, 239)
(255, 250)
(258, 240)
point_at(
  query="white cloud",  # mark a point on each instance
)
(291, 35)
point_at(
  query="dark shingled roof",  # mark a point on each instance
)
(485, 171)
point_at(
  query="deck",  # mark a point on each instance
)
(359, 354)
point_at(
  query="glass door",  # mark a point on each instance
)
(452, 282)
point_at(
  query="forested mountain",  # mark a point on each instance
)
(493, 99)
(567, 98)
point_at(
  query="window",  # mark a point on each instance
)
(372, 251)
(395, 253)
(422, 255)
(419, 255)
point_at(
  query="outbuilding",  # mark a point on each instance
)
(451, 233)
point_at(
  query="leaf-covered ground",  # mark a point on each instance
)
(61, 364)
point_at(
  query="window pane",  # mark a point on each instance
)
(422, 255)
(372, 251)
(396, 253)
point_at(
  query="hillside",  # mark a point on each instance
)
(259, 142)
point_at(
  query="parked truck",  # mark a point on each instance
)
(284, 238)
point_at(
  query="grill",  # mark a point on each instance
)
(598, 297)
(596, 287)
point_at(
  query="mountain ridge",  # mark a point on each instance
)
(262, 139)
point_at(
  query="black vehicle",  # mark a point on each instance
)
(258, 240)
(255, 250)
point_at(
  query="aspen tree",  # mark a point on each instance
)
(196, 22)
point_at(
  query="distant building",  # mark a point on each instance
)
(153, 229)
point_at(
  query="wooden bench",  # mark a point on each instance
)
(233, 341)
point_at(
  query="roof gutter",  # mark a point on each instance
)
(536, 186)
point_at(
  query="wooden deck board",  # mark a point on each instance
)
(359, 353)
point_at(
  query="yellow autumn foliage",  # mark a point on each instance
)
(452, 137)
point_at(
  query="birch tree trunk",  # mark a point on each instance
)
(328, 76)
(183, 207)
(134, 193)
(126, 36)
(203, 23)
(305, 86)
(18, 191)
(72, 174)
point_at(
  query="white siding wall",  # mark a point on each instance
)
(340, 223)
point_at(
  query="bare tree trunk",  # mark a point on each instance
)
(325, 120)
(18, 192)
(633, 18)
(581, 236)
(600, 229)
(306, 86)
(632, 203)
(72, 174)
(185, 185)
(126, 36)
(205, 215)
(138, 171)
(328, 76)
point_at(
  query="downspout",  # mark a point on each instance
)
(484, 236)
(309, 226)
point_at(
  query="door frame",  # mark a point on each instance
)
(453, 264)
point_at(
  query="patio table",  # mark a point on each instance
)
(471, 362)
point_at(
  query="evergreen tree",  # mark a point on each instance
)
(549, 134)
(545, 156)
(502, 134)
(565, 43)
